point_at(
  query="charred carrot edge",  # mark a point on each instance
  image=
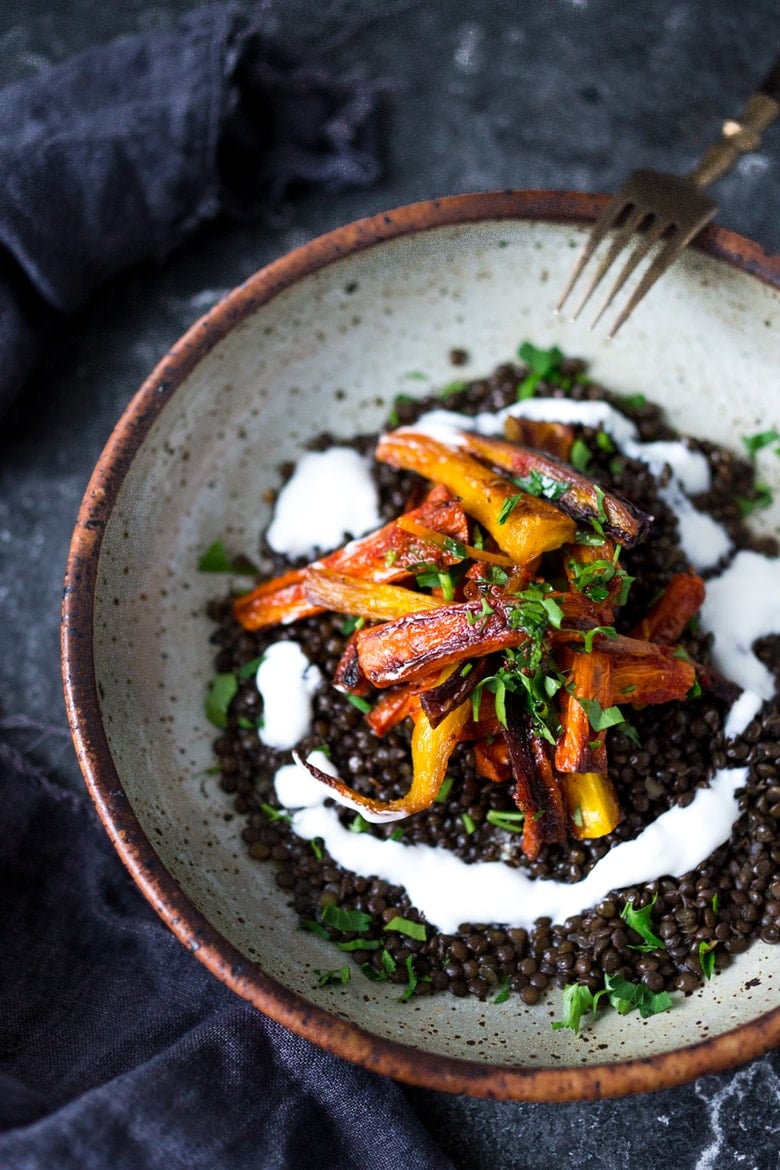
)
(554, 438)
(431, 751)
(402, 650)
(580, 748)
(582, 499)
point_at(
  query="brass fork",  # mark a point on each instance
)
(669, 210)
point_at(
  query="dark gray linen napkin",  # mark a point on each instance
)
(120, 153)
(117, 1048)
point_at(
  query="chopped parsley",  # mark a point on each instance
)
(223, 690)
(762, 498)
(538, 484)
(543, 365)
(354, 921)
(510, 821)
(216, 560)
(507, 508)
(707, 958)
(580, 454)
(503, 991)
(757, 442)
(358, 701)
(623, 996)
(640, 921)
(408, 927)
(336, 975)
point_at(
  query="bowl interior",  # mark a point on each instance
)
(330, 352)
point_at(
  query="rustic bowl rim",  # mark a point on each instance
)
(400, 1061)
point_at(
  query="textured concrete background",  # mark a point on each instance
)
(542, 93)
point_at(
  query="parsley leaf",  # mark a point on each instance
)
(624, 996)
(542, 364)
(640, 921)
(356, 921)
(576, 1000)
(707, 958)
(408, 927)
(754, 443)
(216, 560)
(222, 691)
(580, 454)
(337, 975)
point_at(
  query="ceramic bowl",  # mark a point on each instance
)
(322, 339)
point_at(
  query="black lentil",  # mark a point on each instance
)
(731, 900)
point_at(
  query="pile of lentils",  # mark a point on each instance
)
(727, 902)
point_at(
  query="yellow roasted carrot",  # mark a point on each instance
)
(522, 526)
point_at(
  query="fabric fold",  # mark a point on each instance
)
(118, 154)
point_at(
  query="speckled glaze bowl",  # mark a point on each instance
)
(322, 339)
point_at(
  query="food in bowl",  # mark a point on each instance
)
(589, 799)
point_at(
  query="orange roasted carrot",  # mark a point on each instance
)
(384, 555)
(491, 759)
(391, 708)
(667, 618)
(404, 649)
(431, 751)
(580, 748)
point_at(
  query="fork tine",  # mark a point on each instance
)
(604, 224)
(665, 257)
(644, 244)
(616, 247)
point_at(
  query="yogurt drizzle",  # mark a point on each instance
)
(742, 604)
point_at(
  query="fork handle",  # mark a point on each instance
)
(741, 135)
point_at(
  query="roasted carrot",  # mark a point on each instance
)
(591, 802)
(491, 759)
(667, 618)
(580, 748)
(521, 525)
(536, 792)
(431, 751)
(554, 438)
(361, 598)
(404, 649)
(578, 496)
(385, 555)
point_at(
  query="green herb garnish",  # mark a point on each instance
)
(408, 927)
(754, 443)
(580, 455)
(507, 508)
(468, 822)
(503, 991)
(543, 364)
(510, 821)
(350, 921)
(640, 921)
(222, 691)
(358, 701)
(707, 958)
(216, 560)
(336, 975)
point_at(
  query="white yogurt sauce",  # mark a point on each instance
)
(449, 892)
(330, 495)
(286, 681)
(741, 605)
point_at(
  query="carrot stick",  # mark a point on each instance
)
(522, 525)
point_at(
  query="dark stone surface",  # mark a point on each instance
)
(562, 93)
